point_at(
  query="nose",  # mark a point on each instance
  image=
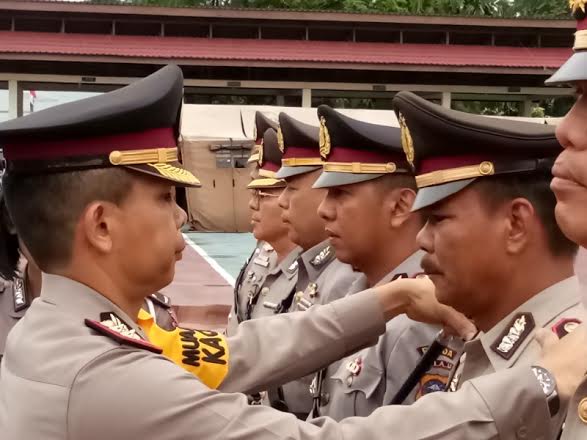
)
(254, 201)
(326, 209)
(283, 200)
(181, 217)
(571, 131)
(425, 240)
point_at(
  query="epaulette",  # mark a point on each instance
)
(114, 327)
(162, 300)
(510, 340)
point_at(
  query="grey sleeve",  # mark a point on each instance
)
(272, 351)
(126, 394)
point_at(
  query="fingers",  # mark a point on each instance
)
(546, 339)
(457, 323)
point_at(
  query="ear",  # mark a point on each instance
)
(401, 206)
(97, 224)
(521, 221)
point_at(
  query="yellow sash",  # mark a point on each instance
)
(201, 352)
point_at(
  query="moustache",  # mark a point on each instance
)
(428, 266)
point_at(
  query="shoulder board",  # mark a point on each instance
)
(519, 329)
(160, 299)
(565, 326)
(115, 328)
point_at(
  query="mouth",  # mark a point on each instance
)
(430, 269)
(331, 234)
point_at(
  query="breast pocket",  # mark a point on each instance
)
(361, 385)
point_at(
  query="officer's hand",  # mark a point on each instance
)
(417, 299)
(566, 359)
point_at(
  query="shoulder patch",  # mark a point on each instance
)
(508, 342)
(162, 300)
(431, 383)
(115, 328)
(565, 326)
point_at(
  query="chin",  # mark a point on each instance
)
(571, 224)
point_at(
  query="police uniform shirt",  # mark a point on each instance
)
(575, 427)
(14, 303)
(321, 279)
(511, 341)
(67, 380)
(279, 284)
(248, 283)
(364, 381)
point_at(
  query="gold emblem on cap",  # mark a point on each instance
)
(324, 139)
(575, 5)
(280, 140)
(177, 174)
(407, 141)
(486, 168)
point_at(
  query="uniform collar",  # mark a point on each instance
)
(316, 259)
(80, 301)
(408, 268)
(289, 265)
(543, 307)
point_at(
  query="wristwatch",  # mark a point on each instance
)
(548, 384)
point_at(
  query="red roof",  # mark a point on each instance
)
(185, 48)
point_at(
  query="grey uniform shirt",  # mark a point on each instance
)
(364, 381)
(576, 422)
(264, 286)
(14, 302)
(66, 381)
(511, 342)
(321, 279)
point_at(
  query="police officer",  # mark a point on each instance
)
(85, 370)
(368, 177)
(263, 259)
(569, 184)
(484, 184)
(272, 273)
(321, 277)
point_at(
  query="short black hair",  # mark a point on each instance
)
(536, 189)
(45, 208)
(392, 181)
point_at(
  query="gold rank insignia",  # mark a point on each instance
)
(407, 141)
(280, 140)
(575, 5)
(324, 139)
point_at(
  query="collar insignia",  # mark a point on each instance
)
(508, 342)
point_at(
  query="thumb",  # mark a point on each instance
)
(546, 339)
(456, 322)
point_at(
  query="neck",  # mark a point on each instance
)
(33, 281)
(520, 286)
(282, 247)
(127, 298)
(391, 252)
